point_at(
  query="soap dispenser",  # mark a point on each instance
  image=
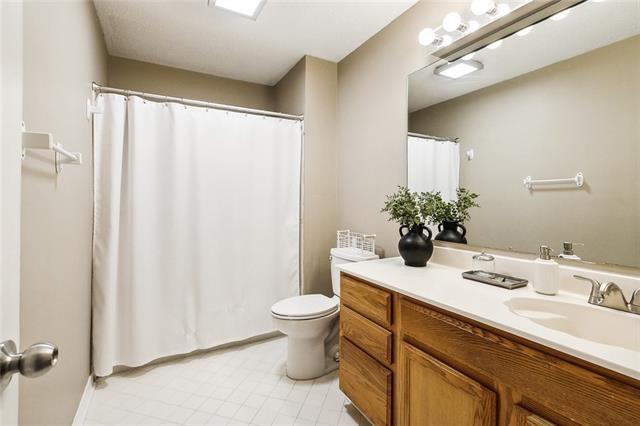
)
(546, 279)
(567, 250)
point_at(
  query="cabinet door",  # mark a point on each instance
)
(433, 393)
(523, 417)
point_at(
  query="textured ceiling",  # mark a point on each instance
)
(190, 35)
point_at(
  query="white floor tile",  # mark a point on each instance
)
(194, 402)
(180, 415)
(309, 412)
(234, 386)
(245, 414)
(211, 405)
(228, 409)
(198, 418)
(255, 401)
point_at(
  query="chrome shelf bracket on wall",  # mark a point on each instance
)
(577, 180)
(44, 141)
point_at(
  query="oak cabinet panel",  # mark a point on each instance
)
(367, 335)
(371, 302)
(434, 394)
(523, 417)
(366, 382)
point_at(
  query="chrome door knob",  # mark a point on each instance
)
(33, 362)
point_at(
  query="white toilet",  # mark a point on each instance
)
(311, 323)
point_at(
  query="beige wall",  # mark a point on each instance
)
(289, 92)
(158, 79)
(372, 120)
(582, 114)
(310, 88)
(63, 53)
(320, 178)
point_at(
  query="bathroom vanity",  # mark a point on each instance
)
(422, 346)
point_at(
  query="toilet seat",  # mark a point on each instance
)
(305, 307)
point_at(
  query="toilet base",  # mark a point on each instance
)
(305, 358)
(311, 346)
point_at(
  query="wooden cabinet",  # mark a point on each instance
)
(377, 341)
(523, 417)
(433, 394)
(366, 348)
(367, 383)
(407, 363)
(372, 302)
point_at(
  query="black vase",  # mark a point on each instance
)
(449, 231)
(415, 247)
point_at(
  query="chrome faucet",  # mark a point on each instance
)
(610, 295)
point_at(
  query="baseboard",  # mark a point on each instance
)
(85, 402)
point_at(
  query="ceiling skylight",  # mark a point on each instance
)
(247, 8)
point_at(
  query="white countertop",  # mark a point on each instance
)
(444, 287)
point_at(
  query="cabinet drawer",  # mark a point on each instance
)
(562, 389)
(373, 339)
(371, 302)
(367, 383)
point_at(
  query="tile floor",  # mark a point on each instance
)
(245, 385)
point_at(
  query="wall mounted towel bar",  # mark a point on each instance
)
(37, 140)
(577, 180)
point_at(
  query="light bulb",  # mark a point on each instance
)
(426, 37)
(523, 32)
(446, 40)
(482, 7)
(453, 22)
(561, 15)
(495, 45)
(469, 56)
(473, 25)
(502, 9)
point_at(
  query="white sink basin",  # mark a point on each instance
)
(593, 323)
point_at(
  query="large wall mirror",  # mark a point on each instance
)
(545, 127)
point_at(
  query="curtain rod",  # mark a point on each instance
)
(435, 138)
(161, 98)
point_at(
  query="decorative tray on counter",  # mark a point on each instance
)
(499, 280)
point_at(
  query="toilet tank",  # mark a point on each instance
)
(346, 255)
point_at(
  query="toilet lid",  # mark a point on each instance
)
(310, 305)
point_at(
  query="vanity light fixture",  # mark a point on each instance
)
(247, 8)
(473, 25)
(457, 69)
(428, 36)
(489, 7)
(446, 40)
(453, 22)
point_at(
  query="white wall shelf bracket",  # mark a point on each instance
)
(44, 141)
(577, 181)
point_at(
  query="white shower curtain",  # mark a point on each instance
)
(433, 166)
(196, 228)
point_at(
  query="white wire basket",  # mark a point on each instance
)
(363, 242)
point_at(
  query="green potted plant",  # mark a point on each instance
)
(404, 208)
(450, 216)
